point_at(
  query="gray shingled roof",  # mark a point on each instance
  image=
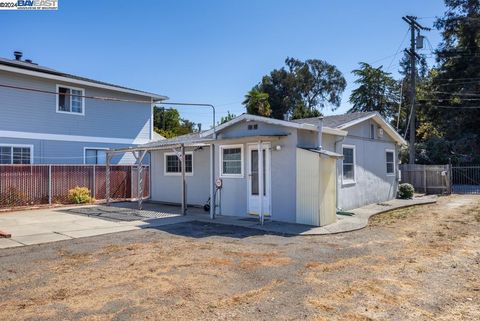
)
(335, 121)
(194, 138)
(35, 67)
(191, 138)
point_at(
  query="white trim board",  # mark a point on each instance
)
(71, 138)
(267, 120)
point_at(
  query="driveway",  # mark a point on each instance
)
(420, 263)
(49, 225)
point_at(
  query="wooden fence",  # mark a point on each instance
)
(429, 179)
(24, 185)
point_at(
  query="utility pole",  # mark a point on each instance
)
(415, 43)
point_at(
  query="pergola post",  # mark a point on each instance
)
(184, 198)
(107, 177)
(260, 179)
(212, 182)
(139, 157)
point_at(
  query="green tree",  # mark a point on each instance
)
(226, 118)
(168, 123)
(302, 88)
(257, 103)
(376, 91)
(455, 84)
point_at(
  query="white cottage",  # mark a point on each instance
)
(299, 171)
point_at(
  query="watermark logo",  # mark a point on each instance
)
(28, 4)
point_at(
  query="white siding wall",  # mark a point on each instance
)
(372, 185)
(168, 189)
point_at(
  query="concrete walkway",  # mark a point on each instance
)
(344, 223)
(50, 225)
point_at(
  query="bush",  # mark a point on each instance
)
(13, 197)
(80, 195)
(405, 191)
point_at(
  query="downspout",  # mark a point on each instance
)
(336, 176)
(320, 132)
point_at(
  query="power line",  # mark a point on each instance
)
(75, 95)
(398, 50)
(446, 99)
(457, 78)
(455, 107)
(458, 83)
(455, 94)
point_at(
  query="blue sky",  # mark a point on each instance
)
(211, 51)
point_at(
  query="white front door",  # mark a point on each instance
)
(253, 192)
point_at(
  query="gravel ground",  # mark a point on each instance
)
(419, 263)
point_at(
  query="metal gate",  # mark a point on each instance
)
(466, 179)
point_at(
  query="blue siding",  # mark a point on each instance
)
(58, 152)
(36, 112)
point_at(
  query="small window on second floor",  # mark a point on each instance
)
(372, 131)
(70, 100)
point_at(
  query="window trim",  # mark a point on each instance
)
(354, 180)
(165, 173)
(21, 146)
(85, 153)
(388, 150)
(242, 163)
(70, 112)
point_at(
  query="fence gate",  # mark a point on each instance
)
(428, 179)
(466, 179)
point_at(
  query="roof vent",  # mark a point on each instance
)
(18, 55)
(29, 61)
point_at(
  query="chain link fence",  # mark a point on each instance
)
(27, 185)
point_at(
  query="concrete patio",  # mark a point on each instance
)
(50, 225)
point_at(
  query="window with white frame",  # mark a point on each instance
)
(95, 156)
(173, 165)
(70, 100)
(348, 168)
(231, 161)
(390, 161)
(15, 155)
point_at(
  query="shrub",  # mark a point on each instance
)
(405, 191)
(13, 197)
(79, 195)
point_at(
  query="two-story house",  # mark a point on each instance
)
(51, 117)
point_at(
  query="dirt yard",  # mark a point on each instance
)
(420, 263)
